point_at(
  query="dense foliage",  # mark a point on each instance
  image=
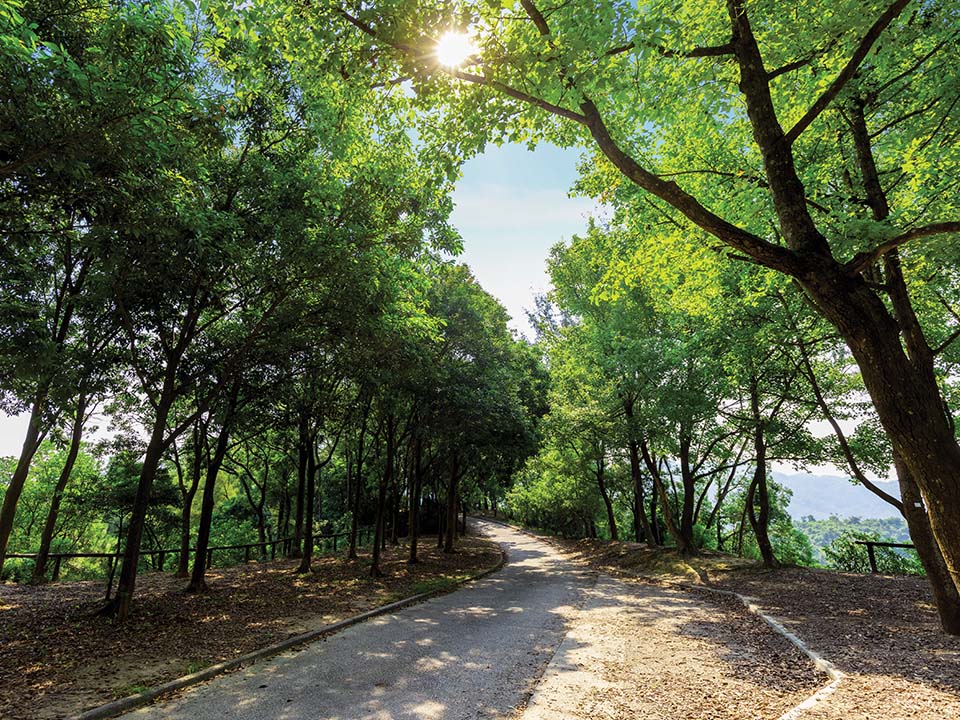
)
(226, 225)
(244, 272)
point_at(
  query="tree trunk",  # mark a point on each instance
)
(302, 461)
(607, 502)
(31, 442)
(385, 481)
(307, 551)
(198, 582)
(945, 594)
(689, 492)
(451, 518)
(641, 523)
(415, 485)
(50, 526)
(120, 605)
(358, 483)
(684, 543)
(186, 511)
(760, 521)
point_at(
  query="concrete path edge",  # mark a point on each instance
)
(822, 664)
(132, 702)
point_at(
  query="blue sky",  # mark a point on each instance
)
(511, 208)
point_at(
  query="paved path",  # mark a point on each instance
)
(474, 653)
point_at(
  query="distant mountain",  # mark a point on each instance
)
(824, 495)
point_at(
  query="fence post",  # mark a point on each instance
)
(872, 557)
(56, 568)
(210, 558)
(160, 560)
(246, 554)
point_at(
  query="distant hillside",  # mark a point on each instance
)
(824, 495)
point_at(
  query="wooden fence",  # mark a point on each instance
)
(320, 541)
(871, 555)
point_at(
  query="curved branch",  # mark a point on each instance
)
(862, 260)
(762, 251)
(518, 95)
(853, 64)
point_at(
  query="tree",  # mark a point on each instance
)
(717, 98)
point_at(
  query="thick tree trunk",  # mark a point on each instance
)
(945, 594)
(415, 485)
(50, 526)
(31, 442)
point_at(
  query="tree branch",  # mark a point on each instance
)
(518, 95)
(853, 64)
(861, 260)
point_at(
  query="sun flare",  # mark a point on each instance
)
(454, 49)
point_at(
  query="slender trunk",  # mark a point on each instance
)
(186, 511)
(307, 553)
(394, 508)
(689, 492)
(760, 520)
(684, 544)
(385, 481)
(599, 474)
(49, 527)
(451, 518)
(198, 582)
(358, 483)
(416, 480)
(120, 605)
(31, 442)
(641, 523)
(654, 522)
(302, 461)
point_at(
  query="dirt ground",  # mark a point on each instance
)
(880, 631)
(642, 651)
(65, 660)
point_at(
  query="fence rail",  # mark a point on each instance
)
(871, 544)
(162, 553)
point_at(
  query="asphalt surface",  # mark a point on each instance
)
(474, 653)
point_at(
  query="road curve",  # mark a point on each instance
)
(473, 653)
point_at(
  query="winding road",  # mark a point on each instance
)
(543, 638)
(474, 653)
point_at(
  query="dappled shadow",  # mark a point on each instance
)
(641, 651)
(473, 653)
(877, 625)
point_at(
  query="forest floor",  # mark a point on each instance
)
(880, 631)
(65, 660)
